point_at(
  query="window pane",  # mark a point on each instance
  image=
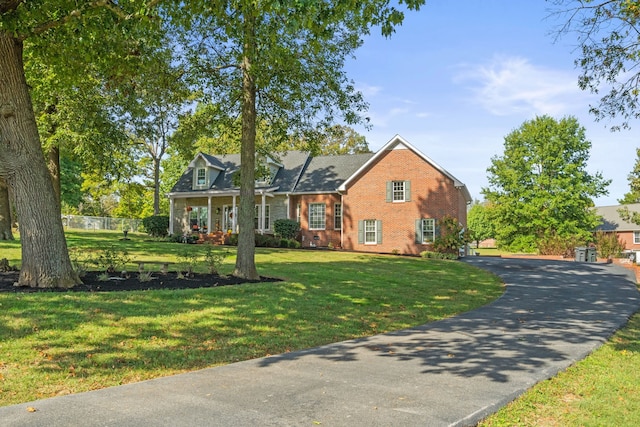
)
(337, 220)
(398, 191)
(428, 230)
(201, 177)
(316, 216)
(370, 231)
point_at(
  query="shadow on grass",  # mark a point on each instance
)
(117, 337)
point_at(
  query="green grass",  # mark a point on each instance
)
(601, 390)
(60, 343)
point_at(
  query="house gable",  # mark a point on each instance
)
(399, 143)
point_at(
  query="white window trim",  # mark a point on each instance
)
(337, 219)
(324, 216)
(422, 230)
(267, 211)
(394, 191)
(204, 184)
(636, 237)
(375, 232)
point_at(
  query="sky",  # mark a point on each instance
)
(460, 75)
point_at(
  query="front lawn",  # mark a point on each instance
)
(59, 343)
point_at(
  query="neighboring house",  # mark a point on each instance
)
(627, 232)
(388, 201)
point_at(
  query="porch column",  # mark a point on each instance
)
(233, 215)
(263, 209)
(171, 216)
(209, 215)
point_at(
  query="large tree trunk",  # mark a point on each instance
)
(54, 170)
(245, 261)
(45, 259)
(5, 212)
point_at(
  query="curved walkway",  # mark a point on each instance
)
(448, 373)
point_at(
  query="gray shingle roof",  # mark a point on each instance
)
(327, 173)
(611, 220)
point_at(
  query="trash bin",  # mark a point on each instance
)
(592, 255)
(581, 254)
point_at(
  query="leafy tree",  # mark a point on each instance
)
(479, 223)
(71, 37)
(633, 196)
(281, 63)
(540, 188)
(607, 33)
(153, 99)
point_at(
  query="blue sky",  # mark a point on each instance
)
(458, 76)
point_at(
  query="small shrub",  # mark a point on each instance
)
(214, 259)
(286, 228)
(451, 236)
(145, 276)
(182, 238)
(188, 260)
(233, 239)
(439, 255)
(294, 244)
(110, 259)
(559, 245)
(156, 225)
(103, 277)
(80, 260)
(266, 241)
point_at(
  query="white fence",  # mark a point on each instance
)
(100, 223)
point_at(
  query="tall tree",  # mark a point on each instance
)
(155, 96)
(281, 63)
(81, 34)
(479, 222)
(607, 33)
(540, 188)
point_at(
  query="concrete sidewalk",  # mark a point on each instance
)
(448, 373)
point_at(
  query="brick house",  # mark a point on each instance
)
(388, 201)
(627, 232)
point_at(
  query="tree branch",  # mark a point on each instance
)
(9, 5)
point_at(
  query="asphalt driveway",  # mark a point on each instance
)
(448, 373)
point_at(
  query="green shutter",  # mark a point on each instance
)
(361, 232)
(419, 231)
(389, 191)
(379, 231)
(407, 191)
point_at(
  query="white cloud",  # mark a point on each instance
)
(512, 85)
(368, 90)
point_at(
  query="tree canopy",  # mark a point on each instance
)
(540, 189)
(280, 64)
(607, 35)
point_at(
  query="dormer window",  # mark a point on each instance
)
(201, 177)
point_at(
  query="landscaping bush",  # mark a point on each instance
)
(451, 236)
(559, 245)
(266, 241)
(286, 228)
(608, 245)
(294, 244)
(181, 238)
(439, 255)
(156, 225)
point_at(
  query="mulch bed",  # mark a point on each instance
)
(92, 283)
